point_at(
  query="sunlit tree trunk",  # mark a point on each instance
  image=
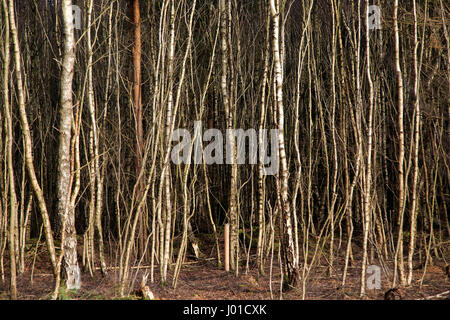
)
(225, 88)
(334, 13)
(65, 211)
(9, 160)
(138, 118)
(368, 173)
(28, 142)
(261, 177)
(401, 154)
(291, 259)
(96, 183)
(414, 202)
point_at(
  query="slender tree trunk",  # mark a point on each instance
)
(65, 211)
(28, 142)
(291, 259)
(232, 210)
(414, 201)
(96, 183)
(261, 177)
(334, 13)
(138, 119)
(368, 172)
(166, 178)
(401, 154)
(9, 160)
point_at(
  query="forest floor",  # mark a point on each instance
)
(202, 280)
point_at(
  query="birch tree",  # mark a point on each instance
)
(28, 146)
(225, 20)
(9, 158)
(401, 154)
(291, 259)
(65, 211)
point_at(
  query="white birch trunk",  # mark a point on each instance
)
(292, 264)
(65, 211)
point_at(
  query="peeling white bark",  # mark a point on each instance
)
(65, 210)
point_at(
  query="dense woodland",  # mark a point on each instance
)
(87, 117)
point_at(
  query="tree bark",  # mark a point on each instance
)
(65, 211)
(28, 142)
(225, 88)
(401, 154)
(9, 161)
(291, 259)
(138, 117)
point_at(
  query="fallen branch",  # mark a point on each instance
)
(148, 267)
(439, 295)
